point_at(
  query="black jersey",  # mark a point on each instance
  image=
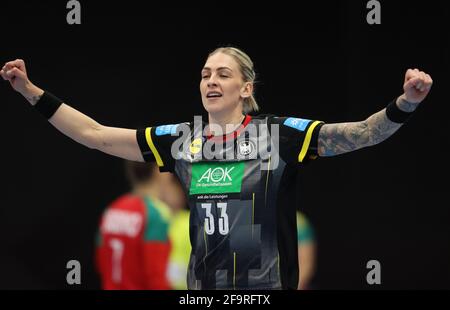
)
(240, 192)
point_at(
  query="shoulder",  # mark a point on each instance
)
(297, 123)
(171, 129)
(290, 121)
(157, 207)
(288, 124)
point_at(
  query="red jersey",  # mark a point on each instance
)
(133, 245)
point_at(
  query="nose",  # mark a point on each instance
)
(212, 81)
(212, 84)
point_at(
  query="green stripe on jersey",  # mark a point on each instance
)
(158, 216)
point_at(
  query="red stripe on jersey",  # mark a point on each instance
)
(234, 134)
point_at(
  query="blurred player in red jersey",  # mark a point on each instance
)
(133, 246)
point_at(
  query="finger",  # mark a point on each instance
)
(429, 80)
(6, 75)
(412, 83)
(409, 74)
(420, 83)
(416, 73)
(8, 66)
(16, 72)
(423, 80)
(3, 74)
(19, 63)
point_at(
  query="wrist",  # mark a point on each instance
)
(47, 104)
(399, 115)
(32, 93)
(405, 105)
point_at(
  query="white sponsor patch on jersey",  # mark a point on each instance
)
(121, 222)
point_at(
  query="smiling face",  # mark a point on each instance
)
(222, 86)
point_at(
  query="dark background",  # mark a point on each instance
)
(136, 63)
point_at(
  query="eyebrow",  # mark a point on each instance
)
(218, 69)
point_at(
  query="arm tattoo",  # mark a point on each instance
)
(335, 139)
(34, 99)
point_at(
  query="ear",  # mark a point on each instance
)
(247, 90)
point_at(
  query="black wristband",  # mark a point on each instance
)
(48, 104)
(394, 114)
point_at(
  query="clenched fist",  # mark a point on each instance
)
(417, 85)
(16, 73)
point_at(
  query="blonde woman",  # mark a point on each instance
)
(235, 168)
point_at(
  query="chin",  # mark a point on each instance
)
(213, 107)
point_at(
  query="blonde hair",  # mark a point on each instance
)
(247, 71)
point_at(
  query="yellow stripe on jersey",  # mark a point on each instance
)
(206, 242)
(150, 143)
(307, 141)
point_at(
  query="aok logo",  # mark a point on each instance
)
(216, 177)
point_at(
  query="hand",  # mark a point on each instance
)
(417, 85)
(16, 73)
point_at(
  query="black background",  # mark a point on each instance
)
(136, 63)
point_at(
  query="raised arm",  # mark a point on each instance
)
(339, 138)
(74, 124)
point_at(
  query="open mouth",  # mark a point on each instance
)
(213, 94)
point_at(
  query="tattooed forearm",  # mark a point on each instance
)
(380, 127)
(335, 139)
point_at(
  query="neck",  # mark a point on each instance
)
(228, 122)
(147, 189)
